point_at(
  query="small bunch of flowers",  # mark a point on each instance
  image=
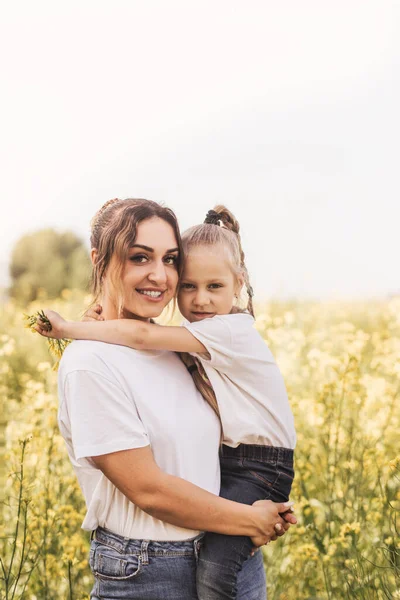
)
(56, 347)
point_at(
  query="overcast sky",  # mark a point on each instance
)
(287, 112)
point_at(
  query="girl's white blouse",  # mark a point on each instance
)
(247, 382)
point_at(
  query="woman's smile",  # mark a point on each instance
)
(152, 294)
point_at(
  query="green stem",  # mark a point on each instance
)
(328, 591)
(70, 581)
(21, 474)
(22, 559)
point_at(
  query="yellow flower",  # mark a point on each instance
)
(350, 529)
(388, 541)
(395, 462)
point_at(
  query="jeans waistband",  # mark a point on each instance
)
(255, 452)
(126, 545)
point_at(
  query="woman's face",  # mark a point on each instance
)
(150, 273)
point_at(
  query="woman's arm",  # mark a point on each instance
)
(176, 501)
(125, 332)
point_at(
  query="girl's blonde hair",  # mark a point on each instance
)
(220, 227)
(113, 233)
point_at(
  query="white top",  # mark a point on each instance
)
(247, 382)
(115, 398)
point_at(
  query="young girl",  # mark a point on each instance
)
(236, 372)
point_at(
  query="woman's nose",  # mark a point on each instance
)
(158, 273)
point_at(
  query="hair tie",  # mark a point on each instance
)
(212, 218)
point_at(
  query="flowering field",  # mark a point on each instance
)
(341, 364)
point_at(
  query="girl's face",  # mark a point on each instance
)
(150, 273)
(208, 286)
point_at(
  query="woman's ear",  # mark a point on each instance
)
(93, 255)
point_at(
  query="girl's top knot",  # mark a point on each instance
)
(212, 218)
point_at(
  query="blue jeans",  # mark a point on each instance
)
(251, 581)
(248, 473)
(130, 569)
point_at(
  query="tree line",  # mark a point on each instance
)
(49, 261)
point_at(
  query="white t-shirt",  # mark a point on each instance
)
(247, 382)
(115, 398)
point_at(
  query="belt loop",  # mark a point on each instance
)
(93, 535)
(144, 552)
(197, 543)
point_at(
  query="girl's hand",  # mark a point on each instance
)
(57, 329)
(93, 313)
(274, 519)
(288, 516)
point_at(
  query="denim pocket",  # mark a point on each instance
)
(275, 478)
(107, 563)
(266, 473)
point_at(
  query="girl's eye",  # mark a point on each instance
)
(186, 286)
(138, 258)
(171, 260)
(215, 286)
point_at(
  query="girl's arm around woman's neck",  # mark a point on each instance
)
(134, 334)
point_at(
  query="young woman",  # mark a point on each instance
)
(142, 441)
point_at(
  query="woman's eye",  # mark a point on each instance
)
(138, 258)
(215, 286)
(171, 260)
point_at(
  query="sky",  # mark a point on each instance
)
(286, 112)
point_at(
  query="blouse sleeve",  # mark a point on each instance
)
(216, 335)
(101, 418)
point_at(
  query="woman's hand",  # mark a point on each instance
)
(57, 325)
(274, 519)
(93, 313)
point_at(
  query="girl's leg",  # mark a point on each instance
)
(249, 473)
(251, 579)
(217, 582)
(221, 559)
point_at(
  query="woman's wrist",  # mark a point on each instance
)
(254, 523)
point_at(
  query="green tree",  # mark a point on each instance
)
(48, 260)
